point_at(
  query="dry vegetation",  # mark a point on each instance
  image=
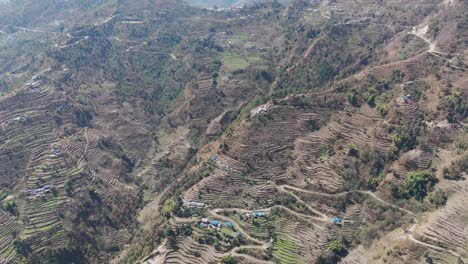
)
(136, 121)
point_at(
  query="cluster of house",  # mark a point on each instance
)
(221, 164)
(335, 10)
(190, 204)
(33, 84)
(55, 152)
(223, 37)
(256, 214)
(220, 36)
(262, 109)
(229, 79)
(357, 21)
(42, 190)
(207, 223)
(15, 120)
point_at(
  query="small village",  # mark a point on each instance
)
(13, 121)
(207, 223)
(221, 164)
(262, 109)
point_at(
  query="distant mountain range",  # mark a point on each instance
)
(212, 3)
(226, 3)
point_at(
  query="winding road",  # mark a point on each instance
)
(421, 31)
(323, 218)
(262, 245)
(374, 196)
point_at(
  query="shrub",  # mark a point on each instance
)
(405, 139)
(374, 182)
(284, 199)
(437, 198)
(21, 247)
(382, 109)
(312, 125)
(11, 208)
(327, 259)
(353, 152)
(336, 250)
(228, 260)
(216, 65)
(353, 99)
(58, 255)
(337, 247)
(418, 184)
(457, 168)
(83, 118)
(169, 207)
(171, 236)
(456, 106)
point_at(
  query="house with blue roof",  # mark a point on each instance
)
(229, 224)
(336, 220)
(213, 158)
(259, 214)
(215, 223)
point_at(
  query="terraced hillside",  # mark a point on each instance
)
(349, 153)
(301, 132)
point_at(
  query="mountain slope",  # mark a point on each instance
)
(125, 123)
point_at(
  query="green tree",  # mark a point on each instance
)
(228, 260)
(406, 138)
(169, 207)
(11, 208)
(171, 237)
(418, 184)
(83, 118)
(22, 247)
(337, 247)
